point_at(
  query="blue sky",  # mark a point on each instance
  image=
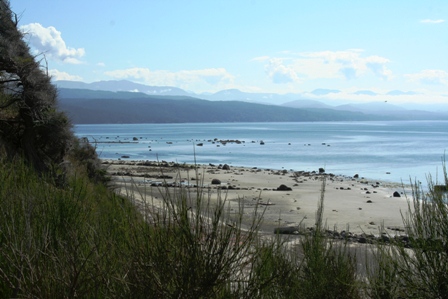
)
(362, 49)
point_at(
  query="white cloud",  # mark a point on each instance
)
(205, 79)
(279, 73)
(349, 64)
(429, 77)
(101, 64)
(58, 75)
(430, 21)
(377, 65)
(260, 58)
(49, 41)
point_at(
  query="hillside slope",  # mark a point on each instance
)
(84, 107)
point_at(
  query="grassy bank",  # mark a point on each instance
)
(82, 240)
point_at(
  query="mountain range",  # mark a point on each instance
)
(128, 102)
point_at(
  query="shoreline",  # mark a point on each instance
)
(375, 150)
(290, 198)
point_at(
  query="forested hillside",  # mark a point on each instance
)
(94, 107)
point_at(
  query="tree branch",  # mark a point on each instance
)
(10, 80)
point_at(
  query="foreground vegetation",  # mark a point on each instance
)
(82, 240)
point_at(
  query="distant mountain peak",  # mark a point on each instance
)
(371, 107)
(123, 85)
(303, 100)
(306, 104)
(229, 91)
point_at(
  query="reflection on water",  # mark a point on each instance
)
(393, 151)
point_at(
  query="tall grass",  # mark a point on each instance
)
(82, 240)
(60, 243)
(417, 268)
(328, 270)
(193, 249)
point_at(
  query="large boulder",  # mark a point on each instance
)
(284, 188)
(396, 194)
(226, 167)
(216, 182)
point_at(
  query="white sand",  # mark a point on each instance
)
(345, 203)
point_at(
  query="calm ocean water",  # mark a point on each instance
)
(389, 151)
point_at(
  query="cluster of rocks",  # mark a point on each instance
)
(146, 175)
(163, 164)
(320, 173)
(224, 142)
(220, 166)
(349, 236)
(219, 142)
(151, 163)
(218, 182)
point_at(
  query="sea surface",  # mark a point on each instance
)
(395, 151)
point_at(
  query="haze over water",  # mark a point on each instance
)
(388, 151)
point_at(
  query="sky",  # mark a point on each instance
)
(395, 51)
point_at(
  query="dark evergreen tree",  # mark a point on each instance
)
(30, 124)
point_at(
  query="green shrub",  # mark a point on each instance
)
(82, 154)
(417, 268)
(328, 269)
(192, 249)
(274, 272)
(58, 243)
(82, 240)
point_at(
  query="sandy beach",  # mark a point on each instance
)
(351, 203)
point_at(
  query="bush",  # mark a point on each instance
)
(418, 268)
(274, 272)
(83, 155)
(328, 270)
(82, 240)
(59, 243)
(192, 249)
